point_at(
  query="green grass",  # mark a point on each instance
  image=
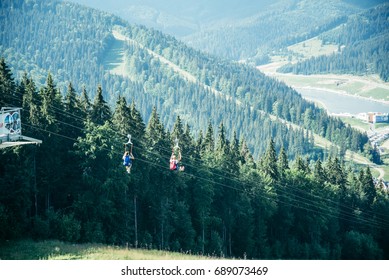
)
(300, 80)
(347, 85)
(352, 87)
(361, 125)
(381, 125)
(377, 93)
(57, 250)
(312, 47)
(115, 55)
(356, 123)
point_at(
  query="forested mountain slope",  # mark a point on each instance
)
(74, 43)
(74, 187)
(363, 47)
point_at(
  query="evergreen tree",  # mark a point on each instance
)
(178, 129)
(138, 127)
(299, 165)
(101, 202)
(85, 103)
(50, 155)
(282, 162)
(189, 149)
(208, 146)
(269, 166)
(368, 187)
(245, 154)
(74, 116)
(51, 104)
(222, 148)
(178, 133)
(100, 110)
(7, 87)
(335, 172)
(121, 117)
(319, 172)
(235, 154)
(155, 132)
(200, 143)
(32, 102)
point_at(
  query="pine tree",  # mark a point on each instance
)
(318, 172)
(208, 146)
(299, 165)
(199, 146)
(368, 187)
(178, 133)
(156, 138)
(32, 102)
(282, 162)
(209, 142)
(8, 96)
(188, 147)
(138, 127)
(70, 101)
(335, 172)
(74, 116)
(234, 154)
(246, 156)
(52, 101)
(178, 129)
(100, 110)
(52, 106)
(222, 146)
(121, 118)
(269, 166)
(51, 153)
(85, 103)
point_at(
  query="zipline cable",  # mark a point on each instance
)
(298, 198)
(362, 220)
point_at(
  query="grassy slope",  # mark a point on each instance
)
(56, 250)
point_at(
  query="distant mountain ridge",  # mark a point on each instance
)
(238, 29)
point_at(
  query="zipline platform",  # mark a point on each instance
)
(7, 141)
(11, 129)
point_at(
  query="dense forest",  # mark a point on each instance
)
(40, 36)
(363, 47)
(73, 187)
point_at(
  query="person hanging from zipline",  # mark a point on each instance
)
(174, 160)
(127, 160)
(128, 157)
